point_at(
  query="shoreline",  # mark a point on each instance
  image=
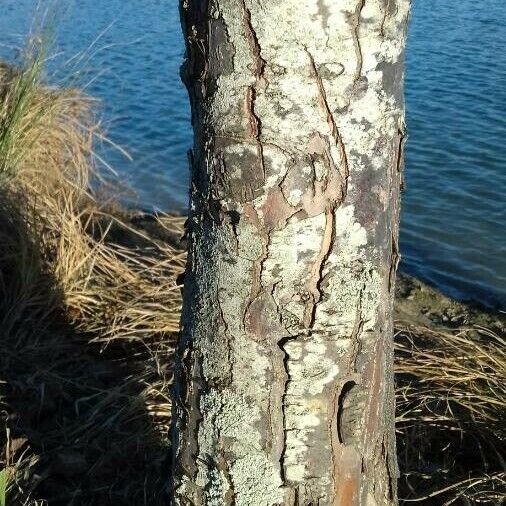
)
(422, 304)
(415, 299)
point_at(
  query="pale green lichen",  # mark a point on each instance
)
(216, 486)
(255, 479)
(255, 482)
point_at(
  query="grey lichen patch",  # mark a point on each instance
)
(349, 277)
(312, 365)
(330, 71)
(229, 416)
(229, 299)
(353, 285)
(250, 247)
(216, 487)
(229, 411)
(283, 268)
(255, 482)
(324, 12)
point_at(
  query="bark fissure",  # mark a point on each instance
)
(343, 394)
(356, 40)
(386, 8)
(400, 155)
(256, 51)
(223, 466)
(286, 358)
(394, 263)
(322, 100)
(316, 274)
(255, 126)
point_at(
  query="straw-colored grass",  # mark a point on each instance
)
(451, 415)
(88, 309)
(89, 306)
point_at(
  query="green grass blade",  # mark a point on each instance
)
(3, 487)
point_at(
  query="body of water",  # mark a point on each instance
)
(452, 234)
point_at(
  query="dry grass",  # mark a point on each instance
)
(88, 309)
(451, 409)
(89, 305)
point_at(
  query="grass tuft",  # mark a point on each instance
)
(451, 411)
(3, 486)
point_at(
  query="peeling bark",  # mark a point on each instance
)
(284, 381)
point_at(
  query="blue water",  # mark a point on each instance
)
(452, 234)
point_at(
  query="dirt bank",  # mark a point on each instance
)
(420, 304)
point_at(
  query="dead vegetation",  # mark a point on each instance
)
(88, 312)
(88, 309)
(451, 408)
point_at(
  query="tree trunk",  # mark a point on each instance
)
(284, 383)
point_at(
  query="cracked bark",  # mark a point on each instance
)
(284, 385)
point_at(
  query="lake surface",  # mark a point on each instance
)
(452, 234)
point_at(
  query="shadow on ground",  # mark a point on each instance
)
(77, 427)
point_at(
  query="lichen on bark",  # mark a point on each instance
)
(283, 387)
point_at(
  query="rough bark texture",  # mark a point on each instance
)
(284, 386)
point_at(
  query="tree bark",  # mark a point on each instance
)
(284, 382)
